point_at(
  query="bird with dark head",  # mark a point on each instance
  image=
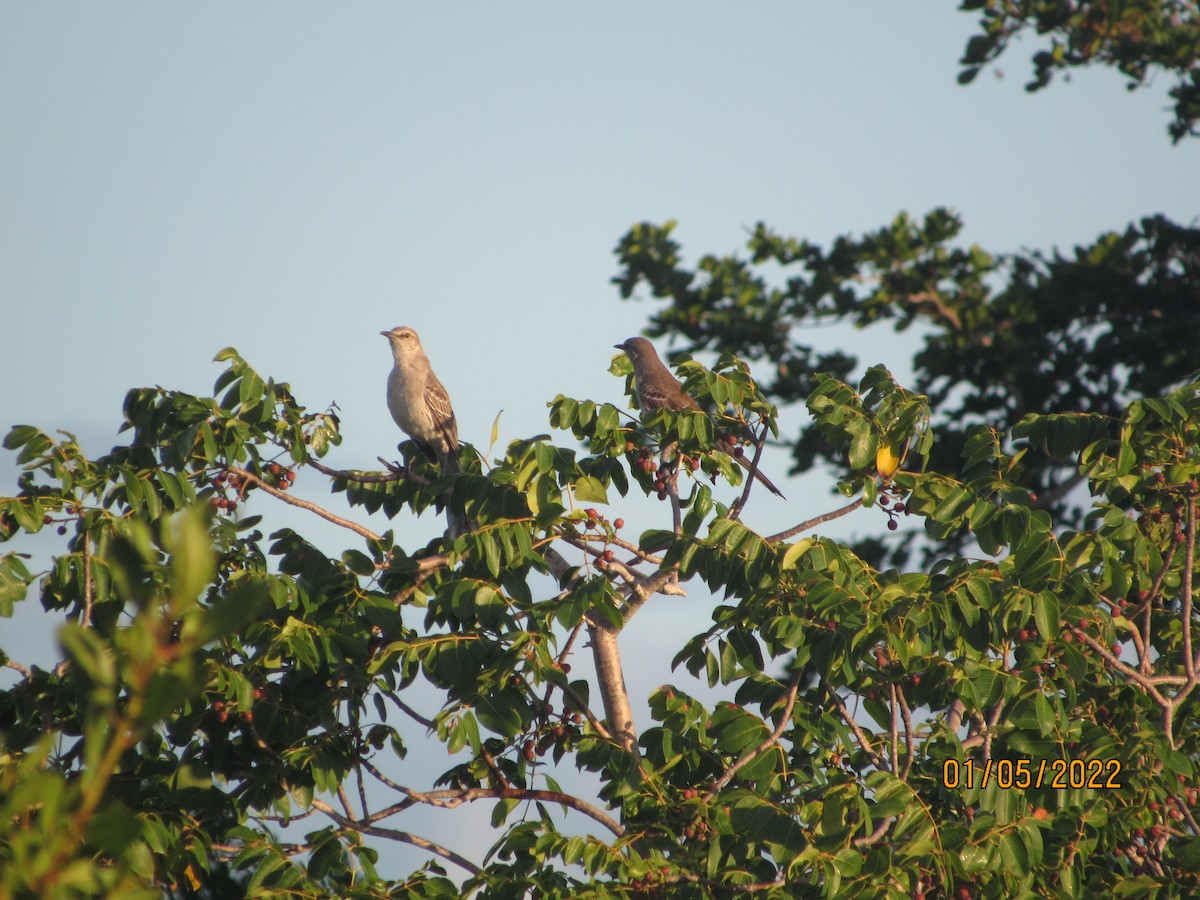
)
(657, 388)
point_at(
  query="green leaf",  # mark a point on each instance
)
(795, 552)
(498, 714)
(192, 563)
(589, 489)
(113, 827)
(1047, 615)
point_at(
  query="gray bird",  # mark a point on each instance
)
(421, 407)
(418, 402)
(657, 388)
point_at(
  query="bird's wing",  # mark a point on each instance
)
(442, 413)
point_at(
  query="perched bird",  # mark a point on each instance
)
(418, 402)
(421, 407)
(657, 388)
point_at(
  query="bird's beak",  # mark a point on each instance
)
(385, 333)
(618, 346)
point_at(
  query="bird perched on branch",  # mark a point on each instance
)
(657, 388)
(421, 406)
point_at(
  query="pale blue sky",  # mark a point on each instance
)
(291, 178)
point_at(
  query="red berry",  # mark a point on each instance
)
(591, 513)
(608, 555)
(618, 524)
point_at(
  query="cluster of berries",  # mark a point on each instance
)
(224, 481)
(893, 509)
(231, 488)
(595, 519)
(566, 730)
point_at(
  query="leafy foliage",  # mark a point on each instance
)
(1085, 333)
(217, 683)
(1137, 37)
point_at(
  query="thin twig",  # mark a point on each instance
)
(13, 664)
(408, 710)
(867, 839)
(1190, 663)
(394, 473)
(863, 741)
(450, 799)
(304, 504)
(740, 503)
(87, 580)
(383, 779)
(1144, 661)
(813, 523)
(341, 792)
(1148, 684)
(894, 728)
(906, 714)
(394, 835)
(772, 739)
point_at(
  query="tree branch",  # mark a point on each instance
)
(449, 799)
(813, 523)
(771, 740)
(394, 835)
(304, 504)
(863, 741)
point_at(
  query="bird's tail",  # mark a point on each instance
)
(449, 464)
(456, 523)
(762, 479)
